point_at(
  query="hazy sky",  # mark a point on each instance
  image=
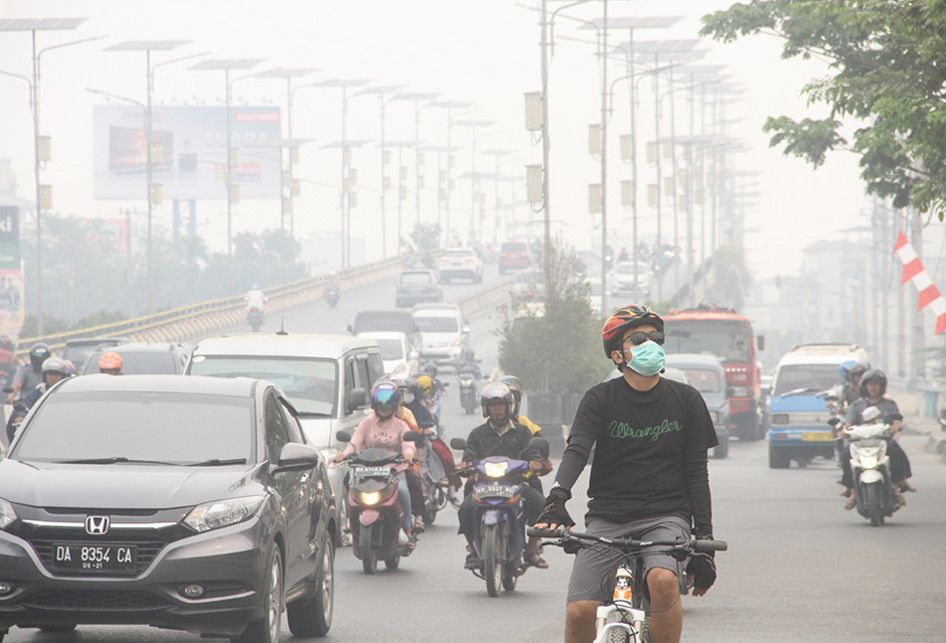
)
(480, 50)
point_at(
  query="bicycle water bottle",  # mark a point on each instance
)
(623, 586)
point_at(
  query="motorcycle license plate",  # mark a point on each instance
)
(817, 436)
(85, 558)
(496, 491)
(371, 472)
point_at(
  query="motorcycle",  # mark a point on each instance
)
(373, 511)
(15, 420)
(254, 317)
(499, 528)
(870, 465)
(332, 296)
(434, 481)
(467, 387)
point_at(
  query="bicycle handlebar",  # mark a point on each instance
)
(629, 544)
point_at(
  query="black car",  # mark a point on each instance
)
(155, 358)
(418, 286)
(191, 503)
(79, 350)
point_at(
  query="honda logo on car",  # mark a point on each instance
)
(97, 525)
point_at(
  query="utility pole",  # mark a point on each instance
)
(546, 146)
(604, 156)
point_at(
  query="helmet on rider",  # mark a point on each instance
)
(496, 393)
(632, 316)
(385, 398)
(874, 375)
(515, 387)
(110, 363)
(431, 369)
(39, 353)
(425, 385)
(851, 368)
(468, 354)
(54, 370)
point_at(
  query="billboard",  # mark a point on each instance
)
(189, 152)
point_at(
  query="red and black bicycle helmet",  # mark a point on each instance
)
(623, 318)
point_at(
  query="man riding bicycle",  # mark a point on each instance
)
(649, 477)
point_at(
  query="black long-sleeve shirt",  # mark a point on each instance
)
(484, 441)
(650, 452)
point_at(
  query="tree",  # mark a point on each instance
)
(886, 69)
(557, 349)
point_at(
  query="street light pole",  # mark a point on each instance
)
(546, 149)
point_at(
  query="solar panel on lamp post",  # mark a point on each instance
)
(287, 195)
(381, 91)
(34, 25)
(228, 65)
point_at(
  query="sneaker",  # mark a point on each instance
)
(418, 525)
(472, 562)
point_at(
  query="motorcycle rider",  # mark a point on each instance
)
(851, 373)
(255, 298)
(110, 363)
(648, 479)
(383, 430)
(515, 387)
(500, 436)
(30, 375)
(54, 370)
(411, 394)
(873, 389)
(468, 362)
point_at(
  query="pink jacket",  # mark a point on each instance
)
(372, 433)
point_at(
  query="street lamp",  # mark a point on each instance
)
(473, 124)
(449, 106)
(33, 25)
(343, 84)
(288, 187)
(401, 179)
(381, 91)
(417, 98)
(349, 180)
(443, 183)
(148, 46)
(497, 155)
(227, 65)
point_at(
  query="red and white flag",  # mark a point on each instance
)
(914, 271)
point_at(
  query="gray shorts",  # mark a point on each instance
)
(593, 574)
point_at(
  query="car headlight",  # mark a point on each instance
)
(495, 469)
(222, 513)
(369, 498)
(7, 515)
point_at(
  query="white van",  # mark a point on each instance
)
(327, 378)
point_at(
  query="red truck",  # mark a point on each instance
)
(728, 335)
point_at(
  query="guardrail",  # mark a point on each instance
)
(183, 322)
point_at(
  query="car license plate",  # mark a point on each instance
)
(818, 436)
(496, 491)
(95, 559)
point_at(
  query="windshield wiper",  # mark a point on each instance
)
(114, 460)
(216, 462)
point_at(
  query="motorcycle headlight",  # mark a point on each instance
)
(7, 515)
(495, 469)
(369, 498)
(222, 513)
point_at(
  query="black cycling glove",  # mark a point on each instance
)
(554, 512)
(702, 569)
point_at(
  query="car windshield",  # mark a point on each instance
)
(79, 354)
(138, 363)
(415, 278)
(310, 384)
(458, 254)
(393, 321)
(705, 380)
(437, 324)
(513, 247)
(180, 428)
(626, 269)
(729, 341)
(817, 377)
(391, 348)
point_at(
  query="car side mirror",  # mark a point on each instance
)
(343, 436)
(760, 342)
(458, 444)
(411, 436)
(541, 445)
(351, 329)
(357, 398)
(730, 391)
(297, 457)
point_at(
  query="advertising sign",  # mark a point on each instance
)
(12, 308)
(9, 237)
(188, 152)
